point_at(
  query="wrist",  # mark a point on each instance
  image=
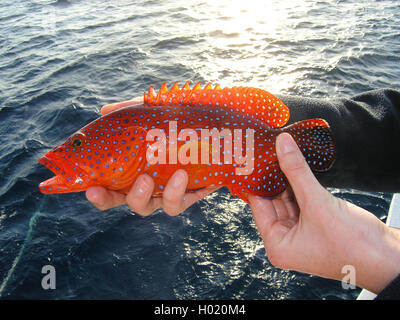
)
(381, 263)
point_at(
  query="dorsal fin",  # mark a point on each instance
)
(197, 87)
(208, 87)
(254, 102)
(175, 87)
(186, 86)
(163, 89)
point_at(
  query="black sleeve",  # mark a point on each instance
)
(366, 131)
(391, 291)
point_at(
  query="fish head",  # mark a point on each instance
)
(96, 155)
(61, 160)
(65, 161)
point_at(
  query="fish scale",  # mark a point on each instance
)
(112, 151)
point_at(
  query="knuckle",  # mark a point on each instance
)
(171, 198)
(101, 207)
(173, 210)
(136, 206)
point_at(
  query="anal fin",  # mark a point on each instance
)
(265, 181)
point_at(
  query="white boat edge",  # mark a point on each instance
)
(392, 220)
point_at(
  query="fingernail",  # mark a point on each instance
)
(285, 143)
(141, 186)
(177, 179)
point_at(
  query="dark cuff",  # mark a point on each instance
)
(366, 131)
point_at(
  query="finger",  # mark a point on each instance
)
(296, 169)
(104, 199)
(270, 227)
(289, 200)
(174, 193)
(287, 195)
(281, 209)
(293, 210)
(115, 106)
(264, 214)
(139, 197)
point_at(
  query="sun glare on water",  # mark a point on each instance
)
(242, 17)
(241, 37)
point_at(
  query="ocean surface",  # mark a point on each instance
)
(60, 61)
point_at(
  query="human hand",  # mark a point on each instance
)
(308, 230)
(173, 201)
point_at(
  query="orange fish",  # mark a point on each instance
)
(220, 136)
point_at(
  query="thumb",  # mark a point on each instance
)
(294, 166)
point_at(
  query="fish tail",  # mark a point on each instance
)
(314, 138)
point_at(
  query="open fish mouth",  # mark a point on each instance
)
(67, 177)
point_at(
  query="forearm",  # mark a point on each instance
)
(366, 130)
(381, 263)
(367, 244)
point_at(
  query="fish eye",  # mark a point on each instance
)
(76, 143)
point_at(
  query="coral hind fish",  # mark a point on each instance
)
(220, 136)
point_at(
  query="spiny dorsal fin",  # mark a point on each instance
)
(254, 102)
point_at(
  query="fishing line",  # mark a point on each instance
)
(28, 238)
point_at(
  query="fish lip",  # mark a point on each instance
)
(54, 163)
(66, 178)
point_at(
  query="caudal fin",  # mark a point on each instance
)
(315, 140)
